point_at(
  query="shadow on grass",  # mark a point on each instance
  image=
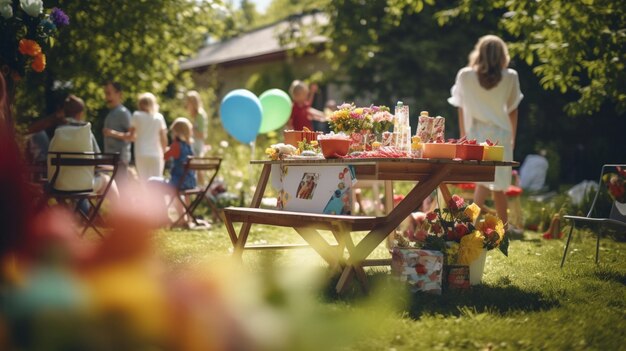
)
(500, 298)
(609, 274)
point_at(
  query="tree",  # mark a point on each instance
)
(281, 9)
(579, 46)
(138, 43)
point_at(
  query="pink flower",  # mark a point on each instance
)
(344, 106)
(456, 202)
(431, 216)
(419, 218)
(420, 235)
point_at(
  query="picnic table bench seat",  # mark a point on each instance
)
(301, 219)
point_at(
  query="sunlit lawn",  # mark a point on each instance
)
(526, 301)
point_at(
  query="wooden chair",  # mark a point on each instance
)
(616, 219)
(208, 165)
(102, 161)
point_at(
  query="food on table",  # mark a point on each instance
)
(280, 151)
(334, 145)
(439, 150)
(469, 150)
(293, 137)
(492, 151)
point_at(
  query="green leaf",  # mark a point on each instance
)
(504, 245)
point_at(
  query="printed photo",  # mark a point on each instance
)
(307, 186)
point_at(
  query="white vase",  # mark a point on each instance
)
(477, 267)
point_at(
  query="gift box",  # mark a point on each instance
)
(457, 277)
(421, 269)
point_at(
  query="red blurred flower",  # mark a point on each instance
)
(456, 202)
(39, 63)
(431, 216)
(29, 47)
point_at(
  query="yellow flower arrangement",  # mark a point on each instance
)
(472, 212)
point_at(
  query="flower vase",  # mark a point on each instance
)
(357, 141)
(477, 268)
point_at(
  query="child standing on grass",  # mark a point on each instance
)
(149, 132)
(179, 150)
(302, 114)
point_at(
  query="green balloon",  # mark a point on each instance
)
(276, 109)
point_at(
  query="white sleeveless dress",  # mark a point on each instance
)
(486, 114)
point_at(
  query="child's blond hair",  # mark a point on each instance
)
(297, 86)
(181, 128)
(147, 102)
(194, 98)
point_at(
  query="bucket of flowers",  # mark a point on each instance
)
(453, 233)
(353, 121)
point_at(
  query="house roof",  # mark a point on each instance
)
(259, 42)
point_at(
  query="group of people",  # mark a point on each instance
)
(145, 128)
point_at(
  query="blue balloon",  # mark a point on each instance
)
(241, 115)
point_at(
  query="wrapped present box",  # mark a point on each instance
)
(421, 269)
(457, 277)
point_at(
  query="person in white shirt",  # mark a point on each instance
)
(149, 133)
(487, 95)
(533, 172)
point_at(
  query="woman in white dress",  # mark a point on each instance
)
(487, 95)
(149, 132)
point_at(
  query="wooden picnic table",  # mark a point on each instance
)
(426, 174)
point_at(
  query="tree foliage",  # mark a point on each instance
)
(138, 43)
(578, 46)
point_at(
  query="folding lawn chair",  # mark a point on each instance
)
(209, 165)
(616, 219)
(73, 198)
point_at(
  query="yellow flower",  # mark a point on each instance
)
(359, 110)
(471, 248)
(472, 212)
(314, 143)
(491, 223)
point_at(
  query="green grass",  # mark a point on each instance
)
(526, 302)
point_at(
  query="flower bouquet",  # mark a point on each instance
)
(455, 232)
(350, 119)
(26, 32)
(616, 184)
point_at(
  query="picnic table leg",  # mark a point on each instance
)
(256, 202)
(321, 246)
(356, 268)
(445, 193)
(371, 241)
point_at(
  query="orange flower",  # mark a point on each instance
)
(29, 47)
(39, 63)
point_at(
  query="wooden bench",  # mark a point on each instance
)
(307, 225)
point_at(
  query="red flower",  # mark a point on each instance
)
(39, 63)
(489, 232)
(420, 269)
(461, 229)
(431, 216)
(456, 202)
(437, 228)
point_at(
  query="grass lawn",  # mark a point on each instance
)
(526, 302)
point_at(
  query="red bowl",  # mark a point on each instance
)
(469, 152)
(333, 148)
